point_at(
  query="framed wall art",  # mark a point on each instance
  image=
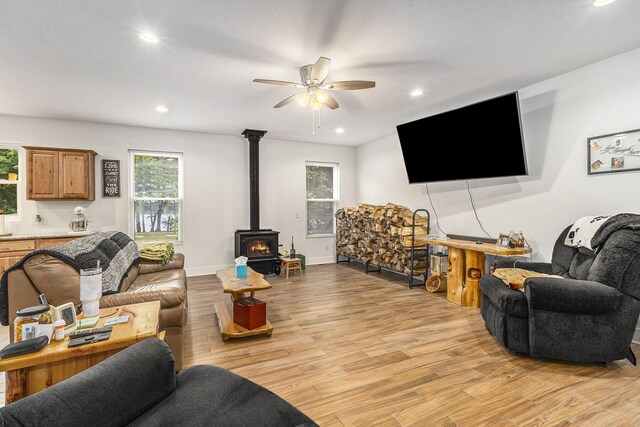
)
(615, 152)
(110, 178)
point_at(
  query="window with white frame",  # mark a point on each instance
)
(156, 191)
(9, 180)
(322, 198)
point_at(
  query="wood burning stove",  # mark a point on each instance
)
(258, 248)
(259, 245)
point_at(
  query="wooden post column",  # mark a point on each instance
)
(455, 275)
(474, 270)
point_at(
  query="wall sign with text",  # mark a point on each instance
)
(615, 152)
(110, 178)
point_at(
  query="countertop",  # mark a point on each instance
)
(47, 235)
(489, 248)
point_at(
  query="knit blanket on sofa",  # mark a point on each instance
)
(623, 221)
(115, 251)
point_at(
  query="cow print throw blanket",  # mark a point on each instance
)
(116, 252)
(583, 230)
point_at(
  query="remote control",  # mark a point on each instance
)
(87, 332)
(89, 340)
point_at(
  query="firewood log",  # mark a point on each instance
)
(436, 284)
(381, 235)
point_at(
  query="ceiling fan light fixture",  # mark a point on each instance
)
(316, 93)
(315, 104)
(322, 96)
(303, 99)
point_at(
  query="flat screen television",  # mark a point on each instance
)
(482, 140)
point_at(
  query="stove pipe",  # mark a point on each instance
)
(254, 137)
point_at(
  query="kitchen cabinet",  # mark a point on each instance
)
(12, 249)
(60, 174)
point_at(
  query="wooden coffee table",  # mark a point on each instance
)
(30, 373)
(253, 283)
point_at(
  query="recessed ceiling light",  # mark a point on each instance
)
(161, 109)
(416, 92)
(600, 3)
(339, 130)
(149, 37)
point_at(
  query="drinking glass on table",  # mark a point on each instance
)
(90, 290)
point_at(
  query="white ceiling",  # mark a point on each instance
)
(82, 59)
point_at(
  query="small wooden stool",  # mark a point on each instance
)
(290, 264)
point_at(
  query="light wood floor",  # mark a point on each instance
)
(355, 349)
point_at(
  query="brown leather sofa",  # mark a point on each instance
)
(60, 283)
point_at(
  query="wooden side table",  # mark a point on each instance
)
(290, 264)
(466, 267)
(30, 373)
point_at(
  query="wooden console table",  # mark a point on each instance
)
(466, 267)
(237, 288)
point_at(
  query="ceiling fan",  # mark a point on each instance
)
(315, 90)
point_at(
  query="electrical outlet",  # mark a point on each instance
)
(326, 247)
(297, 215)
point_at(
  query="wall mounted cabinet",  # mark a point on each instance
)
(60, 174)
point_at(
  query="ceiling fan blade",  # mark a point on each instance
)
(320, 69)
(350, 85)
(286, 101)
(277, 82)
(331, 102)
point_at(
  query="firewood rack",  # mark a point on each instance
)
(414, 253)
(413, 250)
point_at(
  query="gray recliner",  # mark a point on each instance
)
(139, 387)
(588, 316)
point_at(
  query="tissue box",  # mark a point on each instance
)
(249, 312)
(241, 270)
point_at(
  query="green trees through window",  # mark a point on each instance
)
(157, 196)
(322, 198)
(9, 180)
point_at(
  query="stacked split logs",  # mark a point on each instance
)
(381, 235)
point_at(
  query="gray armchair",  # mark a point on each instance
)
(588, 316)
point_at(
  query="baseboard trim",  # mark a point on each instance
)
(211, 269)
(320, 260)
(203, 271)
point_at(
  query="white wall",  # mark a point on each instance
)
(216, 184)
(282, 172)
(558, 116)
